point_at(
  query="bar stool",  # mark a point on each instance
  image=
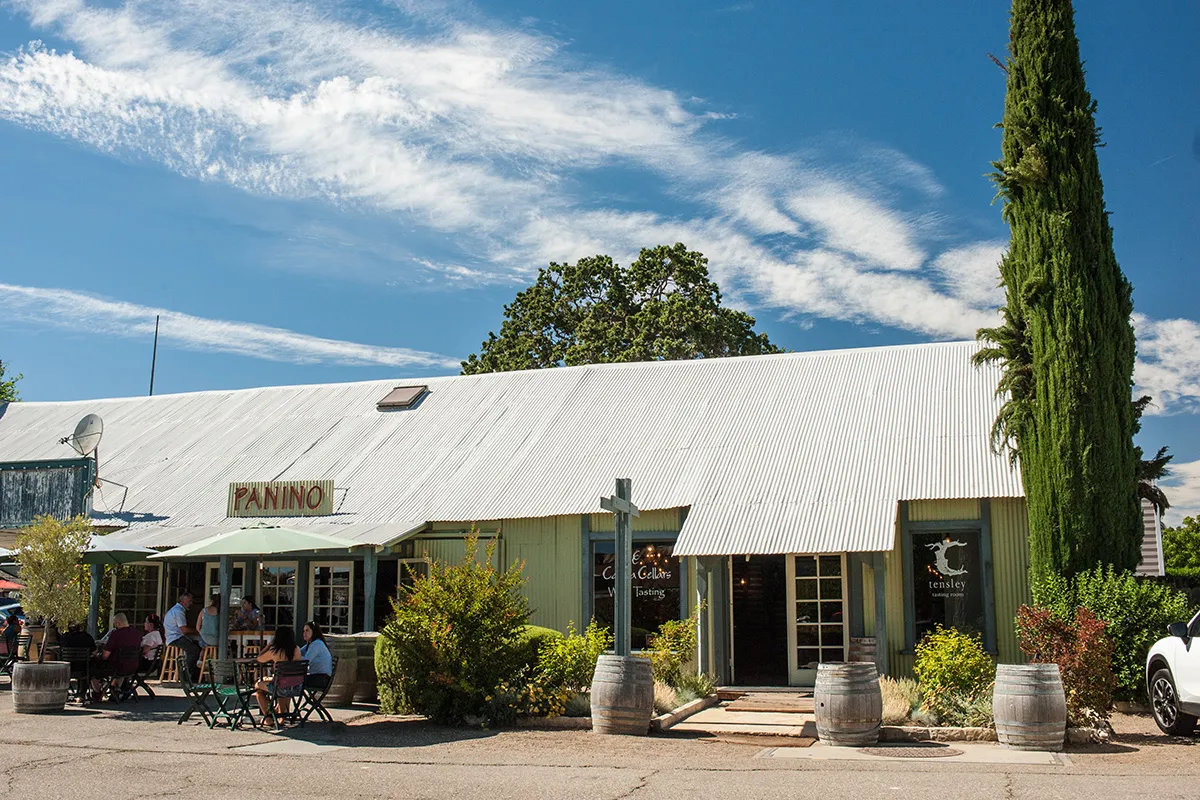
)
(209, 652)
(170, 664)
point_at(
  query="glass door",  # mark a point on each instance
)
(816, 614)
(212, 583)
(277, 588)
(331, 588)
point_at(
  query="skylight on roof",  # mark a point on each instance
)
(402, 397)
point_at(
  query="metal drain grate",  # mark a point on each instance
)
(913, 751)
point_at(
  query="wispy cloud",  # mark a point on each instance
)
(487, 136)
(75, 311)
(1168, 365)
(1183, 490)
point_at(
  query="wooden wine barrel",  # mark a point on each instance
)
(622, 695)
(365, 689)
(1029, 706)
(862, 649)
(345, 677)
(847, 704)
(40, 688)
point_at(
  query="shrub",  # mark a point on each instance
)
(456, 634)
(900, 697)
(54, 585)
(696, 685)
(959, 710)
(534, 639)
(1181, 548)
(1083, 652)
(664, 698)
(569, 662)
(387, 675)
(672, 647)
(579, 705)
(952, 668)
(1136, 614)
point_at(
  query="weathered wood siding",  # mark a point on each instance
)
(29, 489)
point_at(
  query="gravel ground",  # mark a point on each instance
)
(139, 748)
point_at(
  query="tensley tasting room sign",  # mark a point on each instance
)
(947, 581)
(280, 499)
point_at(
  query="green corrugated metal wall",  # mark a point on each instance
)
(1010, 569)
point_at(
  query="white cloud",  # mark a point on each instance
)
(1168, 366)
(1182, 488)
(486, 138)
(76, 311)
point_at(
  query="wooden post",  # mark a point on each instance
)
(224, 575)
(624, 511)
(370, 567)
(97, 575)
(881, 641)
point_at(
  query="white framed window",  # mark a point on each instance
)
(277, 593)
(212, 582)
(408, 570)
(331, 595)
(136, 591)
(817, 619)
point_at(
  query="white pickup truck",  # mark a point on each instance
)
(1173, 678)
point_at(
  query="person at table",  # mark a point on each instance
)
(152, 640)
(76, 636)
(176, 630)
(316, 652)
(12, 629)
(282, 648)
(248, 617)
(209, 624)
(106, 664)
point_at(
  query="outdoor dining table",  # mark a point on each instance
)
(243, 638)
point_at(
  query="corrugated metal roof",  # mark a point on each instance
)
(800, 452)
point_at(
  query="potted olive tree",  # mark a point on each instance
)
(49, 551)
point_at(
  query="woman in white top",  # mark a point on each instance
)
(152, 640)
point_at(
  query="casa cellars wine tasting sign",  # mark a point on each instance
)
(280, 499)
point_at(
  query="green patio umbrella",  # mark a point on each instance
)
(253, 541)
(102, 550)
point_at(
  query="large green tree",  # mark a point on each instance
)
(8, 388)
(662, 306)
(1066, 343)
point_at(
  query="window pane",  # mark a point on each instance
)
(831, 635)
(806, 612)
(807, 636)
(806, 566)
(831, 588)
(831, 566)
(947, 581)
(806, 590)
(807, 658)
(831, 612)
(656, 590)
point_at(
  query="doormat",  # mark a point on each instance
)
(931, 750)
(773, 703)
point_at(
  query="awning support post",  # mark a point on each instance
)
(370, 567)
(881, 642)
(97, 578)
(224, 573)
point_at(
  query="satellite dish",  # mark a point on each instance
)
(87, 435)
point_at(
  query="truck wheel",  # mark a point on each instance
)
(1165, 704)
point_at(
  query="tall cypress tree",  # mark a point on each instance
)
(1066, 343)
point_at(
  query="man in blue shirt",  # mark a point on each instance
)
(176, 630)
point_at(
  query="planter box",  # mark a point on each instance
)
(665, 721)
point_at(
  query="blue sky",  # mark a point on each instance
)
(341, 191)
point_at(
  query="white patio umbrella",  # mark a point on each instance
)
(252, 541)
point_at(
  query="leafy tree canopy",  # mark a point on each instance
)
(49, 554)
(8, 388)
(1181, 548)
(662, 306)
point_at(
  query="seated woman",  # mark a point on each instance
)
(209, 623)
(320, 661)
(282, 648)
(248, 617)
(152, 641)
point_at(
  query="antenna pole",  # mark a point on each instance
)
(154, 355)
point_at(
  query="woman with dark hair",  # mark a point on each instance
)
(282, 648)
(209, 623)
(320, 661)
(248, 617)
(152, 639)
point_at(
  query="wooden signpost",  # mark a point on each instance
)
(624, 510)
